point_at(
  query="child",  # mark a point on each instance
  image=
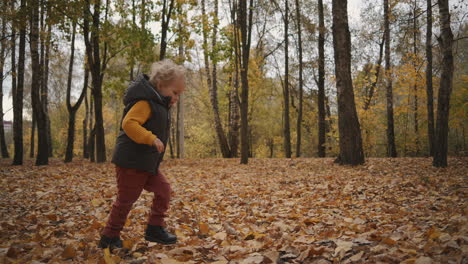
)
(140, 148)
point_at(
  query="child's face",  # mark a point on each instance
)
(174, 90)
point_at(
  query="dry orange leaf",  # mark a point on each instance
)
(107, 256)
(52, 217)
(127, 244)
(388, 241)
(69, 252)
(204, 228)
(310, 221)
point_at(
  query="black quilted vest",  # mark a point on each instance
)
(128, 153)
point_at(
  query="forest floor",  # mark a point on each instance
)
(303, 210)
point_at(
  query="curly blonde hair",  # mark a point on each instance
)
(165, 71)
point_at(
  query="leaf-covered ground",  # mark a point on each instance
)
(269, 211)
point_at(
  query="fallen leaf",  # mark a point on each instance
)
(423, 260)
(357, 257)
(69, 252)
(220, 236)
(204, 229)
(107, 256)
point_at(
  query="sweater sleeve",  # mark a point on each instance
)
(133, 120)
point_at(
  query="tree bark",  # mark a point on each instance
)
(71, 113)
(377, 74)
(85, 127)
(415, 86)
(3, 146)
(223, 143)
(180, 136)
(45, 87)
(33, 133)
(18, 86)
(391, 148)
(166, 18)
(286, 126)
(349, 131)
(73, 109)
(329, 123)
(44, 42)
(234, 93)
(42, 157)
(91, 138)
(244, 23)
(93, 52)
(171, 135)
(180, 128)
(429, 89)
(234, 117)
(299, 114)
(321, 83)
(446, 83)
(91, 144)
(143, 14)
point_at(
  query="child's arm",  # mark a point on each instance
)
(135, 117)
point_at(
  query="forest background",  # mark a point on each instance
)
(283, 120)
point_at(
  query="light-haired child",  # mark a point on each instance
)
(139, 150)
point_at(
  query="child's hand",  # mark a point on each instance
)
(159, 145)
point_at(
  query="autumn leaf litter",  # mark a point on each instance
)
(299, 210)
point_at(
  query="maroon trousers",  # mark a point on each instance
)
(130, 184)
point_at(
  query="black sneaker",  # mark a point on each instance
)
(110, 242)
(159, 234)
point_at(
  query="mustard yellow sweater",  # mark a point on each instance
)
(133, 121)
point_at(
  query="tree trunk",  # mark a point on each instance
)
(429, 90)
(223, 143)
(33, 133)
(368, 99)
(3, 146)
(172, 135)
(132, 60)
(73, 109)
(143, 14)
(180, 111)
(44, 71)
(321, 83)
(71, 113)
(271, 146)
(234, 93)
(97, 74)
(205, 44)
(45, 88)
(91, 144)
(18, 87)
(299, 114)
(234, 117)
(348, 124)
(180, 128)
(391, 148)
(415, 86)
(286, 126)
(91, 138)
(166, 18)
(446, 83)
(329, 123)
(245, 25)
(85, 127)
(71, 137)
(42, 157)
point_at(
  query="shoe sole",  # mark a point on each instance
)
(152, 239)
